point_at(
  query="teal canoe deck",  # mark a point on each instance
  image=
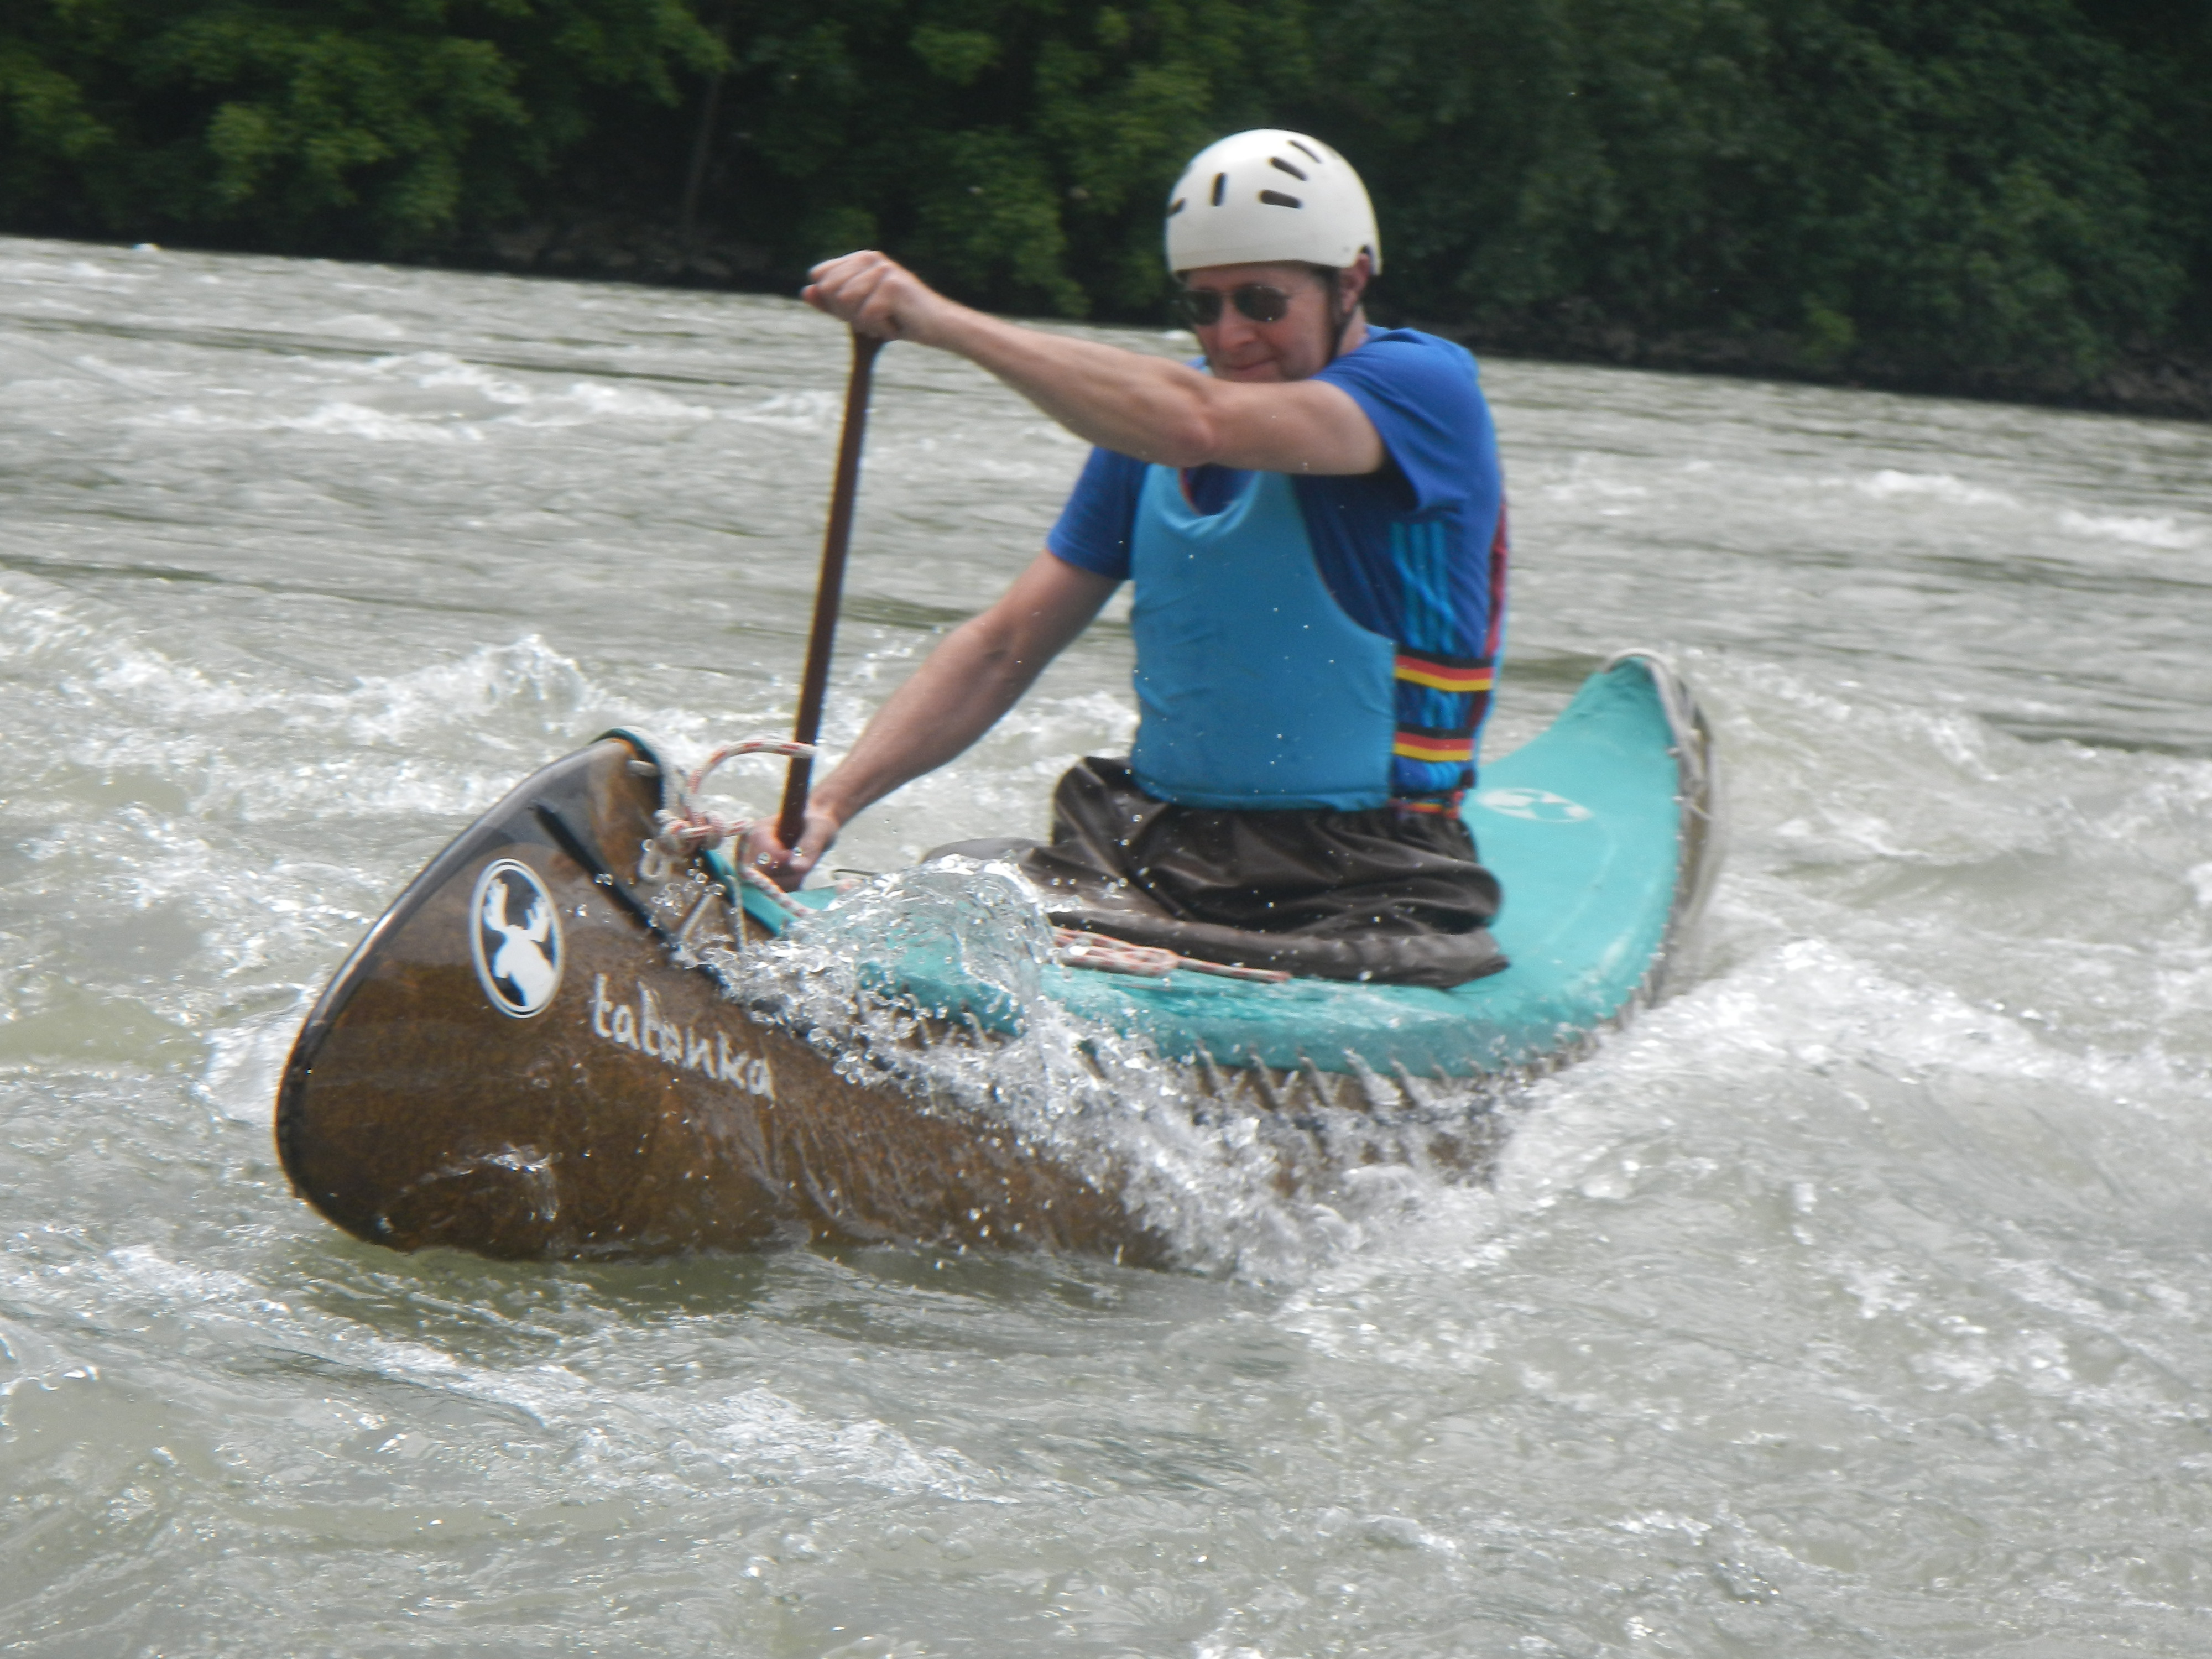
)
(1597, 830)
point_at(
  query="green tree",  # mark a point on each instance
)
(2168, 47)
(333, 124)
(1977, 196)
(1017, 149)
(1956, 187)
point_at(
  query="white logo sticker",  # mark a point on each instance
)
(1539, 804)
(515, 932)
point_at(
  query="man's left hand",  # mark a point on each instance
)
(875, 295)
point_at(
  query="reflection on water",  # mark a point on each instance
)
(1855, 1301)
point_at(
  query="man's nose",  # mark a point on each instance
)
(1234, 330)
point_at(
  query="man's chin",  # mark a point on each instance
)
(1256, 374)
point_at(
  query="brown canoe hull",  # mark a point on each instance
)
(636, 1112)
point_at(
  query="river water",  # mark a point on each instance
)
(1857, 1301)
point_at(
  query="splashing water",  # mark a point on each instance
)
(1208, 1178)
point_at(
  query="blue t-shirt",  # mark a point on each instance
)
(1415, 551)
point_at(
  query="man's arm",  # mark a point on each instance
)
(1159, 411)
(977, 672)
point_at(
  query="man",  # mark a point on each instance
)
(1315, 526)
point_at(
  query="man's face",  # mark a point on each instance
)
(1291, 349)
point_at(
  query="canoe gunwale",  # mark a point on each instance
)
(1699, 849)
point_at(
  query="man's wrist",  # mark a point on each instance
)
(822, 806)
(945, 326)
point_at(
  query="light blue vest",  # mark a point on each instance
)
(1255, 690)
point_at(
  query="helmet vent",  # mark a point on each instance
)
(1277, 163)
(1276, 198)
(1304, 151)
(1176, 208)
(1220, 183)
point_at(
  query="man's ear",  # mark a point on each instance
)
(1352, 281)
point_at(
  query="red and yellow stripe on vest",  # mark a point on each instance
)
(1437, 747)
(1441, 673)
(1449, 694)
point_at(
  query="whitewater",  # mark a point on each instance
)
(1855, 1301)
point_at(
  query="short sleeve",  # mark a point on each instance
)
(1424, 396)
(1095, 528)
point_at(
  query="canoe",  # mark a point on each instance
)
(561, 1042)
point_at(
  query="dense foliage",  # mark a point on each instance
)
(322, 124)
(1973, 183)
(2022, 187)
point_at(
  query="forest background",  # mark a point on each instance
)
(2004, 197)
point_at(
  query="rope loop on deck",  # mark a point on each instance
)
(686, 828)
(1104, 954)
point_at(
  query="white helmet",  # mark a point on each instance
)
(1255, 197)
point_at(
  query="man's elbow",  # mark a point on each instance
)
(995, 645)
(1189, 438)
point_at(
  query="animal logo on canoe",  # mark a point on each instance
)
(518, 961)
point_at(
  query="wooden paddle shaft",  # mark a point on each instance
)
(830, 587)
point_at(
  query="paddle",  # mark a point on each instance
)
(829, 587)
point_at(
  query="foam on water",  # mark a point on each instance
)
(1853, 1302)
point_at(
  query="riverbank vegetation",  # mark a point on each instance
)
(2005, 196)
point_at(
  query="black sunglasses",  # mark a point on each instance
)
(1201, 306)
